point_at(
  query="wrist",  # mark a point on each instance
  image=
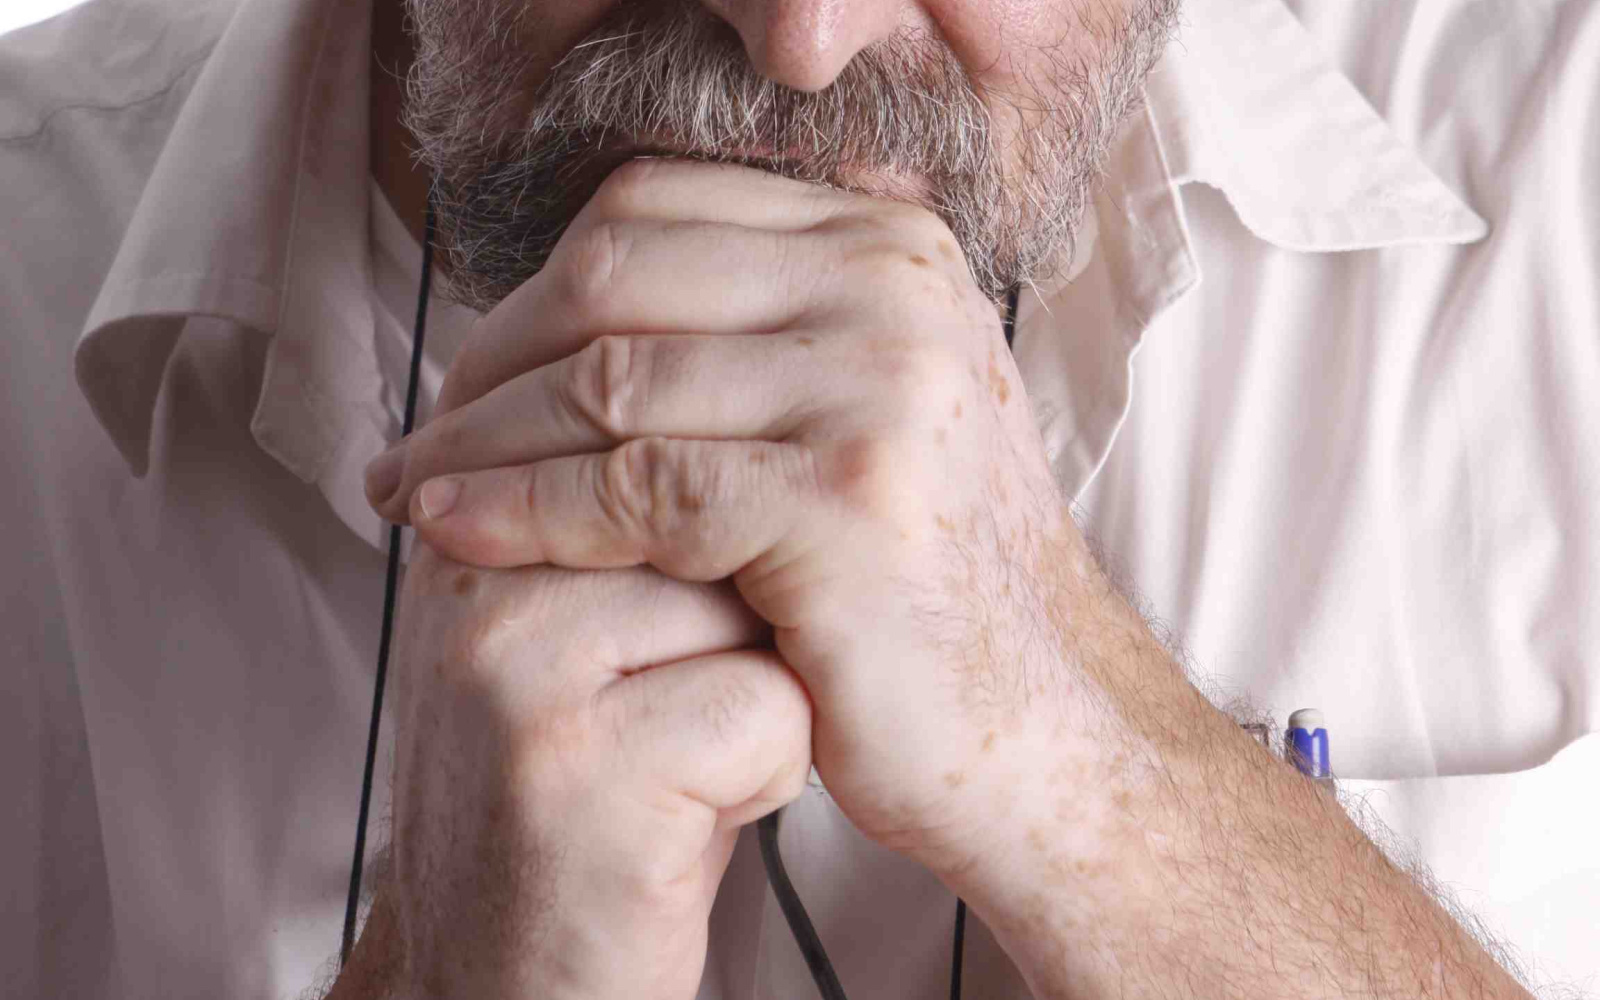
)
(1112, 869)
(1103, 816)
(1144, 854)
(374, 970)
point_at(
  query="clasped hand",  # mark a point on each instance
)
(726, 374)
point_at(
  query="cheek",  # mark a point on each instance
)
(550, 28)
(1012, 45)
(1037, 52)
(548, 31)
(994, 39)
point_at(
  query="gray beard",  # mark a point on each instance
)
(511, 170)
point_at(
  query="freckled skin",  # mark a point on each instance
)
(870, 251)
(998, 385)
(1057, 874)
(690, 502)
(851, 466)
(1005, 44)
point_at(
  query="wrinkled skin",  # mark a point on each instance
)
(847, 438)
(798, 389)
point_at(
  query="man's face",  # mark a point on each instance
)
(994, 114)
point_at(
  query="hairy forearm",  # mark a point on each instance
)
(373, 971)
(1183, 860)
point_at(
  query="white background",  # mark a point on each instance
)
(16, 13)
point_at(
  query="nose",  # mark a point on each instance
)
(805, 44)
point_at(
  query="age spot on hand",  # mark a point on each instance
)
(688, 501)
(997, 382)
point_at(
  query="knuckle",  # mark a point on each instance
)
(603, 384)
(625, 190)
(593, 257)
(660, 493)
(551, 751)
(891, 268)
(916, 225)
(728, 716)
(909, 375)
(630, 485)
(913, 277)
(527, 486)
(794, 783)
(866, 475)
(471, 641)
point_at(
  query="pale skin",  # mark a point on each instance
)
(829, 483)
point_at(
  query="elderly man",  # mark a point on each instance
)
(730, 494)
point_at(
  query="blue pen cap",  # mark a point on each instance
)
(1306, 740)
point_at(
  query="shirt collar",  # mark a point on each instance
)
(1246, 101)
(1249, 103)
(257, 212)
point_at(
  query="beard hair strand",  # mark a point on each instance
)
(512, 169)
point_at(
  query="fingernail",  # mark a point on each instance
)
(439, 496)
(384, 474)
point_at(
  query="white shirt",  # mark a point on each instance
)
(1353, 468)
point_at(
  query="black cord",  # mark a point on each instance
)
(1011, 314)
(358, 858)
(799, 923)
(957, 949)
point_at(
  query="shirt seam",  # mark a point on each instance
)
(50, 116)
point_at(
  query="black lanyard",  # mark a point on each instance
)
(358, 856)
